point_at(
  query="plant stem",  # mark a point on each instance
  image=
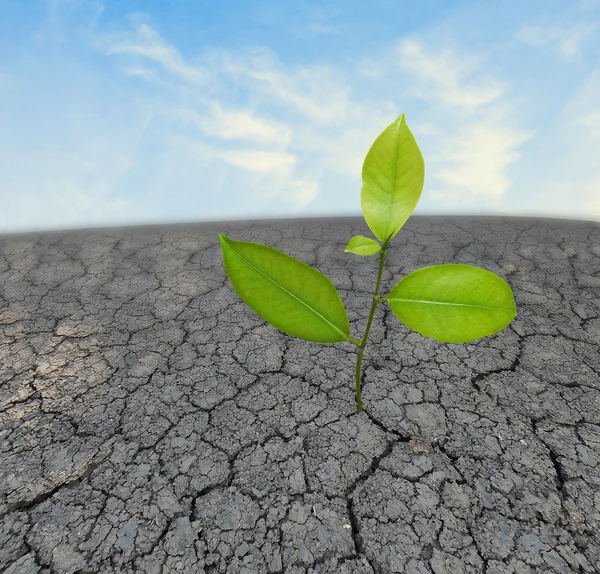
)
(363, 341)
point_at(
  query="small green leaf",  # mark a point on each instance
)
(361, 245)
(393, 175)
(287, 293)
(453, 303)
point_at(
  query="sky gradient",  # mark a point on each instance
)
(136, 112)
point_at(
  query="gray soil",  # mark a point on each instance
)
(151, 422)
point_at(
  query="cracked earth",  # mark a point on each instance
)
(151, 422)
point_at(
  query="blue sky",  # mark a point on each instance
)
(148, 112)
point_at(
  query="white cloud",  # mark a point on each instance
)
(567, 40)
(483, 154)
(151, 46)
(141, 72)
(582, 113)
(224, 124)
(76, 202)
(444, 72)
(591, 121)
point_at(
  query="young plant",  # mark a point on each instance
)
(451, 303)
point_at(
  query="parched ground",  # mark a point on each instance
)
(151, 422)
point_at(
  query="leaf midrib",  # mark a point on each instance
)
(446, 303)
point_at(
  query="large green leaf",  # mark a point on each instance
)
(453, 303)
(285, 292)
(393, 175)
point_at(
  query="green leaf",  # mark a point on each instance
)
(361, 245)
(393, 175)
(453, 303)
(285, 292)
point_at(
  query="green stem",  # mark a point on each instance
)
(363, 342)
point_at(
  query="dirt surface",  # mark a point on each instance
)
(151, 422)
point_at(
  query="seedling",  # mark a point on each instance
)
(451, 303)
